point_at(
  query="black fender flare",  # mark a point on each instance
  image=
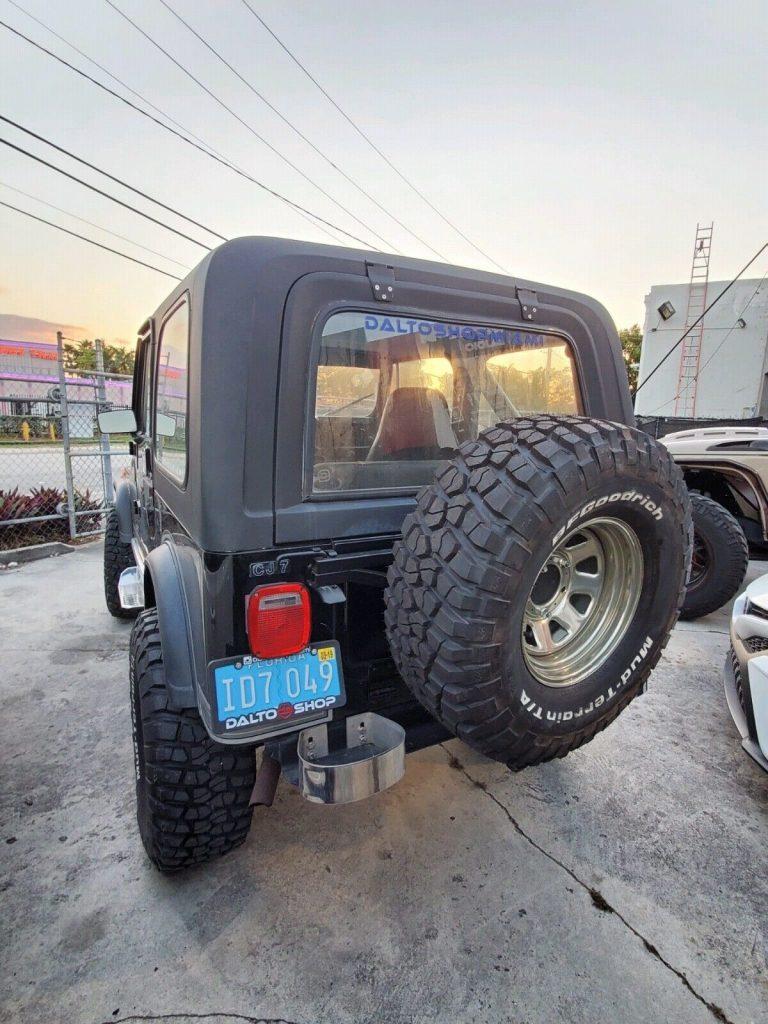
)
(125, 496)
(172, 585)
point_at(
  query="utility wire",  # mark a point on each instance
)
(302, 136)
(106, 71)
(119, 181)
(297, 207)
(90, 223)
(249, 127)
(82, 238)
(371, 143)
(733, 328)
(301, 210)
(698, 320)
(149, 103)
(101, 192)
(730, 331)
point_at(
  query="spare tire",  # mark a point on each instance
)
(537, 581)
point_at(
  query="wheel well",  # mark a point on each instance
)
(149, 590)
(712, 484)
(736, 492)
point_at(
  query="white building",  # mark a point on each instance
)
(733, 369)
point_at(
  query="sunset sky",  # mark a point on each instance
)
(576, 143)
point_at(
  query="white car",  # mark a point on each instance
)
(746, 669)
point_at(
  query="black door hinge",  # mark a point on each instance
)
(382, 278)
(529, 303)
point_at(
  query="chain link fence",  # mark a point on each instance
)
(56, 472)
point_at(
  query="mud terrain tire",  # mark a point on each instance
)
(117, 556)
(192, 793)
(481, 539)
(720, 557)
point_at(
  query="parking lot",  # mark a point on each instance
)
(625, 883)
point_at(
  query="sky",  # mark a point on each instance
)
(577, 144)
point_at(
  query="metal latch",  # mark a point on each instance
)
(382, 278)
(529, 303)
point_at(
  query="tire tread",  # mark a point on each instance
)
(117, 556)
(193, 793)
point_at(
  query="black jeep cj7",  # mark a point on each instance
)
(375, 503)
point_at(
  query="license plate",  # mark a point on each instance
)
(275, 693)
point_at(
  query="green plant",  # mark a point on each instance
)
(81, 355)
(631, 342)
(42, 501)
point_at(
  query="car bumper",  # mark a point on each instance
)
(746, 679)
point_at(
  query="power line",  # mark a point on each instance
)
(119, 181)
(148, 102)
(101, 67)
(371, 143)
(302, 136)
(83, 238)
(700, 318)
(730, 331)
(249, 127)
(101, 192)
(733, 328)
(82, 220)
(297, 207)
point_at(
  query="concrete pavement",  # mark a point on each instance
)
(625, 883)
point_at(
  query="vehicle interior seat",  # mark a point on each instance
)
(415, 424)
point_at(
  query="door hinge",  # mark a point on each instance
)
(529, 303)
(382, 278)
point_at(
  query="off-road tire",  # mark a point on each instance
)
(472, 550)
(720, 543)
(117, 556)
(192, 793)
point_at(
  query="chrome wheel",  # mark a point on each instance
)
(582, 602)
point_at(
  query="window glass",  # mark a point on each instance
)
(396, 395)
(146, 416)
(170, 427)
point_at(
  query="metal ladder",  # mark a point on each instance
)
(690, 356)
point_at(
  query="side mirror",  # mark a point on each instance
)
(165, 426)
(117, 421)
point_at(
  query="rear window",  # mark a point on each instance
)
(395, 395)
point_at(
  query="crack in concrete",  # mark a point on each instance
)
(598, 900)
(216, 1015)
(718, 632)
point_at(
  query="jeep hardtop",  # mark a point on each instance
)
(376, 503)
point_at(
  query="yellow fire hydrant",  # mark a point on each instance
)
(25, 431)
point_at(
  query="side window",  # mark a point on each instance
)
(146, 389)
(138, 391)
(170, 427)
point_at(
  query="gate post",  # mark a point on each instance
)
(65, 438)
(101, 395)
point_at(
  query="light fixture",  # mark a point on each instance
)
(666, 310)
(741, 322)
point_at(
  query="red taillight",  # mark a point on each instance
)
(279, 619)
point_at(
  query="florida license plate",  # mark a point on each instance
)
(277, 694)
